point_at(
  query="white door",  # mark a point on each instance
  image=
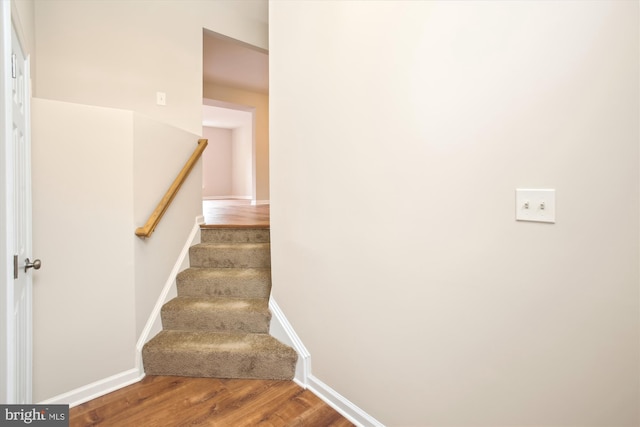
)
(19, 330)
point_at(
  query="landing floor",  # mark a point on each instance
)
(234, 213)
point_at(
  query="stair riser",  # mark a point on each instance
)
(216, 321)
(251, 256)
(231, 235)
(218, 365)
(227, 290)
(253, 284)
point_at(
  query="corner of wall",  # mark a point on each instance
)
(281, 329)
(107, 385)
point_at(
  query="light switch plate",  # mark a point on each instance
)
(161, 98)
(536, 205)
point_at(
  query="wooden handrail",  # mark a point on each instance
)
(155, 217)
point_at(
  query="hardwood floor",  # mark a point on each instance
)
(159, 401)
(234, 213)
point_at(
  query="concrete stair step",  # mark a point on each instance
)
(216, 315)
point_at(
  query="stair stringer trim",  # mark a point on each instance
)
(154, 323)
(281, 329)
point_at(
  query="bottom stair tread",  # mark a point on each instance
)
(219, 355)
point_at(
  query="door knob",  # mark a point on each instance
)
(36, 264)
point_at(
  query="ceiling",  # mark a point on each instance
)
(232, 63)
(220, 117)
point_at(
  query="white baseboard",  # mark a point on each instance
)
(341, 404)
(96, 389)
(282, 330)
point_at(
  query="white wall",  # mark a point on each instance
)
(120, 53)
(83, 200)
(216, 160)
(399, 132)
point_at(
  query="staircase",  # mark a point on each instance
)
(218, 324)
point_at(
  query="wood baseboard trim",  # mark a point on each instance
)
(96, 389)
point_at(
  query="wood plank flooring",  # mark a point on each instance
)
(159, 401)
(234, 213)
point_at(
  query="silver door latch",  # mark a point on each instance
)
(36, 264)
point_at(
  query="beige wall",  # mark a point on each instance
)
(99, 282)
(216, 162)
(395, 252)
(260, 102)
(22, 12)
(120, 53)
(159, 154)
(84, 294)
(242, 161)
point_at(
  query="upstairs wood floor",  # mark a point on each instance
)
(234, 213)
(164, 401)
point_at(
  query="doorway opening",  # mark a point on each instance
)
(229, 160)
(235, 121)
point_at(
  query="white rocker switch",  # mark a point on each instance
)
(536, 205)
